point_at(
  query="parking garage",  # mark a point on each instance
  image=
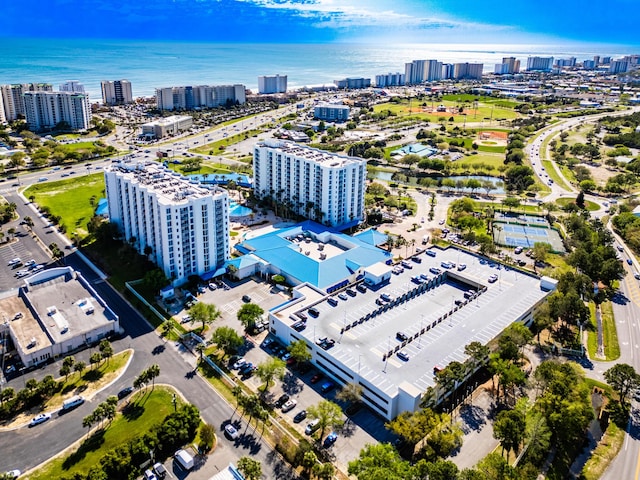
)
(389, 338)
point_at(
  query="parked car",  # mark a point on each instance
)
(331, 439)
(160, 470)
(402, 355)
(289, 405)
(300, 416)
(312, 426)
(317, 377)
(327, 386)
(282, 400)
(239, 364)
(231, 432)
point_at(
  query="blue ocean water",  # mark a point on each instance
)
(150, 65)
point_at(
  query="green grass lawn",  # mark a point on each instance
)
(590, 206)
(484, 110)
(490, 159)
(77, 383)
(70, 199)
(611, 345)
(225, 143)
(466, 97)
(153, 406)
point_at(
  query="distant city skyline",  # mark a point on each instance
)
(328, 21)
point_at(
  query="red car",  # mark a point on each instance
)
(317, 377)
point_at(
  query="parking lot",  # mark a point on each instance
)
(24, 247)
(361, 428)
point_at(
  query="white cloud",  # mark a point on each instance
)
(345, 13)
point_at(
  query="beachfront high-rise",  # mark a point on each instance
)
(268, 84)
(509, 66)
(12, 100)
(47, 110)
(419, 71)
(200, 96)
(540, 64)
(72, 86)
(390, 80)
(116, 92)
(467, 71)
(184, 225)
(315, 184)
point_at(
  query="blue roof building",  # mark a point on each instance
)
(311, 253)
(416, 149)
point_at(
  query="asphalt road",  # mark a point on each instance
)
(25, 448)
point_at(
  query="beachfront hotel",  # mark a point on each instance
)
(182, 226)
(200, 96)
(116, 92)
(268, 84)
(45, 110)
(315, 184)
(540, 64)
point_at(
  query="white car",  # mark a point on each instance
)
(38, 419)
(231, 431)
(239, 363)
(289, 405)
(13, 473)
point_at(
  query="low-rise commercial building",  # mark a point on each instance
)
(172, 125)
(55, 312)
(331, 112)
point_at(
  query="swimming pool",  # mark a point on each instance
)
(237, 210)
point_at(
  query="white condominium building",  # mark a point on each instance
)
(116, 92)
(3, 118)
(419, 71)
(467, 71)
(45, 110)
(390, 80)
(72, 86)
(272, 84)
(185, 225)
(12, 100)
(199, 96)
(541, 64)
(323, 186)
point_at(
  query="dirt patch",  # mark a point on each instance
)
(492, 135)
(600, 174)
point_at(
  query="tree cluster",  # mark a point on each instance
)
(177, 429)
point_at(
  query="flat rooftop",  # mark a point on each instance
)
(313, 253)
(164, 183)
(167, 120)
(63, 308)
(66, 308)
(361, 348)
(319, 156)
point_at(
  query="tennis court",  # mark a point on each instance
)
(513, 235)
(528, 219)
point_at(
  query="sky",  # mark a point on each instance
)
(611, 22)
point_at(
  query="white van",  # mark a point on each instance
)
(184, 459)
(73, 402)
